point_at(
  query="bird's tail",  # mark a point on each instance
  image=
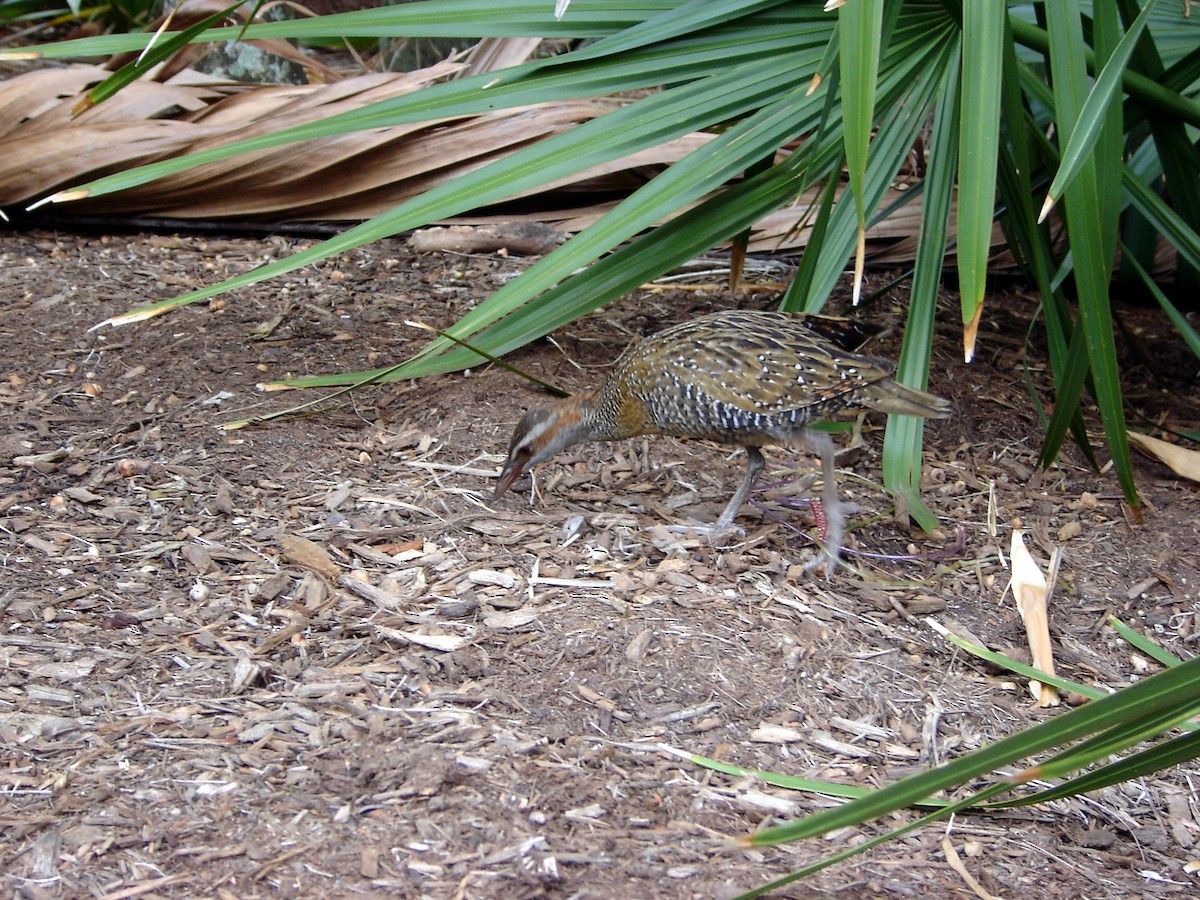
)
(901, 400)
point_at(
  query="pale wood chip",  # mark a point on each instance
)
(83, 495)
(492, 577)
(412, 582)
(446, 643)
(199, 559)
(145, 887)
(956, 863)
(64, 671)
(636, 649)
(1030, 588)
(827, 741)
(368, 865)
(41, 462)
(245, 673)
(775, 734)
(517, 618)
(309, 555)
(585, 583)
(591, 811)
(780, 806)
(862, 729)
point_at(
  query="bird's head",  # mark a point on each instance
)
(541, 433)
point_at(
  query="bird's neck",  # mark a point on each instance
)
(610, 414)
(580, 416)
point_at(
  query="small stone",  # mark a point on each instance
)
(1070, 530)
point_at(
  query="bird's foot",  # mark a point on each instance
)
(829, 522)
(824, 563)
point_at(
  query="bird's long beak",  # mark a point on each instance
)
(513, 469)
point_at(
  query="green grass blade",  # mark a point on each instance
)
(1018, 667)
(1144, 644)
(788, 782)
(434, 18)
(1109, 742)
(905, 434)
(943, 812)
(1170, 225)
(1091, 214)
(618, 273)
(1095, 110)
(1172, 752)
(908, 80)
(1164, 755)
(802, 281)
(161, 50)
(668, 246)
(1178, 319)
(860, 29)
(1177, 688)
(982, 80)
(1165, 98)
(1034, 246)
(688, 17)
(1171, 151)
(1069, 380)
(1068, 360)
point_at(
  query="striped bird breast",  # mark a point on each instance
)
(686, 410)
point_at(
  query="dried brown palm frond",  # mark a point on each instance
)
(174, 111)
(493, 54)
(345, 177)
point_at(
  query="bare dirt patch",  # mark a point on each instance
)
(312, 657)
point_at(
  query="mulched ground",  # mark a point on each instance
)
(314, 658)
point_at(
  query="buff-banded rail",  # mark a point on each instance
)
(736, 377)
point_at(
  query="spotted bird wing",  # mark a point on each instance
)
(773, 370)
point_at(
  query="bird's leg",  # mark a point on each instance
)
(835, 524)
(754, 467)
